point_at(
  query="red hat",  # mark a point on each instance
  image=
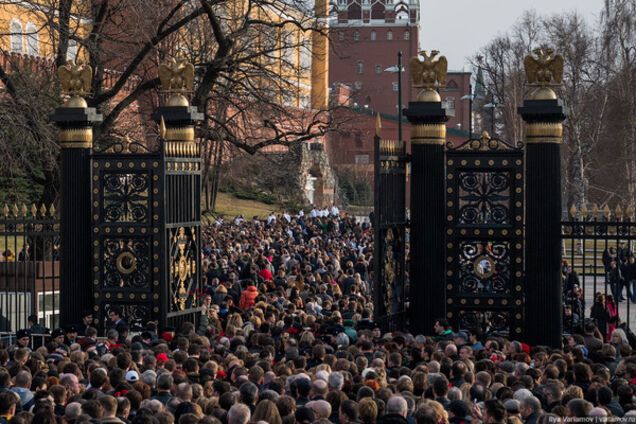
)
(162, 358)
(167, 336)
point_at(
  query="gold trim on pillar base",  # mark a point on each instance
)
(182, 148)
(544, 132)
(180, 133)
(429, 95)
(428, 134)
(81, 138)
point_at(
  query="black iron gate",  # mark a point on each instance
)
(127, 203)
(29, 267)
(146, 232)
(390, 233)
(598, 259)
(484, 235)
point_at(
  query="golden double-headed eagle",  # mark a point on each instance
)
(75, 79)
(177, 76)
(544, 70)
(429, 73)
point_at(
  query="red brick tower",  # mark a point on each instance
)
(366, 36)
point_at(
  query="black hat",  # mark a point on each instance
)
(71, 329)
(22, 333)
(57, 333)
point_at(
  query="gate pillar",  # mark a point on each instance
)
(543, 115)
(75, 120)
(428, 137)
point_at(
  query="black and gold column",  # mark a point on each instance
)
(543, 116)
(75, 120)
(181, 158)
(428, 137)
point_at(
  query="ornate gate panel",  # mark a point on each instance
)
(127, 196)
(182, 231)
(390, 233)
(484, 208)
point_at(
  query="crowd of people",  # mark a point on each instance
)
(287, 335)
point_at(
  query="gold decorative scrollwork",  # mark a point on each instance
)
(126, 263)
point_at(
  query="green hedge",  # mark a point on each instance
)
(260, 197)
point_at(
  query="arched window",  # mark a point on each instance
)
(71, 52)
(378, 69)
(360, 67)
(356, 36)
(450, 103)
(407, 35)
(373, 36)
(32, 39)
(16, 36)
(389, 35)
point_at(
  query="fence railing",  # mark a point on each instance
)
(29, 267)
(598, 258)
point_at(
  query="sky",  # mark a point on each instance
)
(459, 28)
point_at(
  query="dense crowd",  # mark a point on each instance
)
(287, 335)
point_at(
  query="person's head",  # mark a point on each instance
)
(23, 379)
(8, 402)
(71, 383)
(578, 408)
(267, 411)
(397, 405)
(239, 414)
(109, 405)
(165, 382)
(368, 410)
(494, 411)
(440, 326)
(348, 412)
(440, 386)
(552, 393)
(336, 380)
(249, 393)
(114, 314)
(528, 406)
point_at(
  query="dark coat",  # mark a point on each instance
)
(392, 419)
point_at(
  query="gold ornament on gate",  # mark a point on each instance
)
(177, 78)
(75, 80)
(544, 70)
(429, 74)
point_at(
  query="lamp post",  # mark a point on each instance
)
(398, 70)
(492, 106)
(470, 97)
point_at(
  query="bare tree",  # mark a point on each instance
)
(245, 77)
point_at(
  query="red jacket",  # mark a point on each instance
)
(248, 297)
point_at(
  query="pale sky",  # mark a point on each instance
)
(459, 28)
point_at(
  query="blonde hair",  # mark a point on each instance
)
(368, 410)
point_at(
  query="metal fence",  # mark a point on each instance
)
(598, 258)
(29, 267)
